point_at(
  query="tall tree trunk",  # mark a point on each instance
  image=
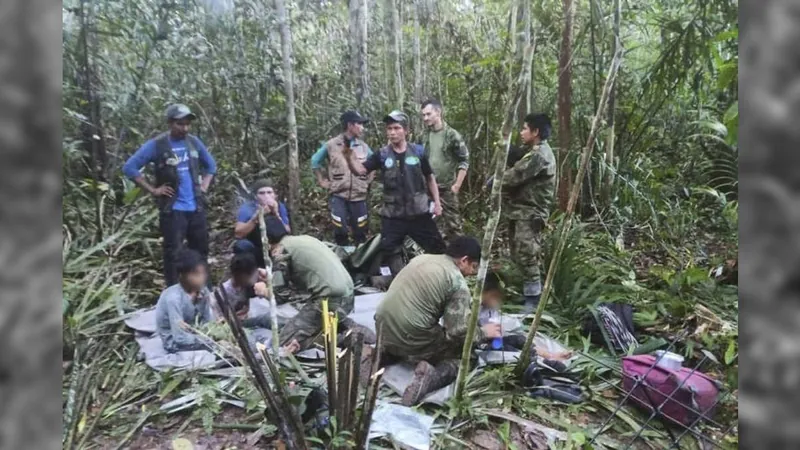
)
(417, 56)
(524, 37)
(353, 38)
(612, 105)
(362, 91)
(565, 105)
(291, 120)
(394, 28)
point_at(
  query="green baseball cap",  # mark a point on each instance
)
(396, 116)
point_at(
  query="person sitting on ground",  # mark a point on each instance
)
(247, 231)
(430, 288)
(311, 266)
(247, 281)
(491, 301)
(184, 304)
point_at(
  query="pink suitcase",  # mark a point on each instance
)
(693, 394)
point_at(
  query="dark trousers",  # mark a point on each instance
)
(422, 229)
(347, 215)
(248, 246)
(177, 226)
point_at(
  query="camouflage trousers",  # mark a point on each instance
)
(307, 324)
(451, 224)
(525, 237)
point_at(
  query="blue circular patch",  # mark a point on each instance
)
(389, 163)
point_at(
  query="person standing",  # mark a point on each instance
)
(408, 186)
(183, 172)
(246, 230)
(449, 158)
(348, 191)
(528, 191)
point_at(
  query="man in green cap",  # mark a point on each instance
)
(409, 185)
(528, 191)
(183, 172)
(348, 191)
(450, 161)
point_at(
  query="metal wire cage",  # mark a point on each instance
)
(647, 405)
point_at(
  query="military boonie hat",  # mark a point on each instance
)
(396, 116)
(352, 117)
(178, 111)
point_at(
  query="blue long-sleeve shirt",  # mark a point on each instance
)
(146, 154)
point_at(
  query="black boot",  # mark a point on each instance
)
(428, 378)
(531, 292)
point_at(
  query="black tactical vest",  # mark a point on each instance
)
(166, 170)
(405, 192)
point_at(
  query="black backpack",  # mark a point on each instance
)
(611, 325)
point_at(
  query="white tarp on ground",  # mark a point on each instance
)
(397, 377)
(401, 424)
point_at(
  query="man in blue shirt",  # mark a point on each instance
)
(247, 232)
(183, 171)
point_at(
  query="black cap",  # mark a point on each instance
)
(352, 117)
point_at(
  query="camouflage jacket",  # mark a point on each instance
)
(428, 289)
(452, 156)
(529, 185)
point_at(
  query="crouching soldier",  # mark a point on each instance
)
(311, 266)
(429, 289)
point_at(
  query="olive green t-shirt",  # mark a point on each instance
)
(443, 167)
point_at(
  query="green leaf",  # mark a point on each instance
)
(730, 353)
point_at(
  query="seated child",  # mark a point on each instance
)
(491, 302)
(183, 304)
(246, 281)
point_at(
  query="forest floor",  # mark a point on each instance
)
(137, 422)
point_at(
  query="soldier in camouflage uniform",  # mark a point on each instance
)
(311, 266)
(449, 158)
(430, 288)
(528, 190)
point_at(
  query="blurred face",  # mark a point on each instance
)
(196, 279)
(431, 116)
(179, 128)
(528, 136)
(492, 299)
(467, 266)
(265, 195)
(355, 129)
(395, 133)
(244, 279)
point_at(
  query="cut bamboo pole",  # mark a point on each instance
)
(500, 158)
(273, 304)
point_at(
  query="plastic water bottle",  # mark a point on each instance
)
(497, 343)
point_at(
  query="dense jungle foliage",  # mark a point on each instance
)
(658, 214)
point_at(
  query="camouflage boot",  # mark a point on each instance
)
(349, 324)
(531, 292)
(428, 378)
